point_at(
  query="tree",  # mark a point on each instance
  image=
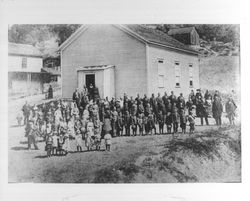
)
(63, 31)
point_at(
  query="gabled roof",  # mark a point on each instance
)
(182, 30)
(142, 33)
(23, 50)
(156, 36)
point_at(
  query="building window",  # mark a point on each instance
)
(24, 62)
(161, 73)
(177, 74)
(191, 84)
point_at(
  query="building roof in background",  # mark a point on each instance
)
(157, 36)
(51, 71)
(24, 50)
(143, 33)
(182, 30)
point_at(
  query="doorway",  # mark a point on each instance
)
(90, 79)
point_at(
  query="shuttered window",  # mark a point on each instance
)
(161, 73)
(177, 74)
(191, 84)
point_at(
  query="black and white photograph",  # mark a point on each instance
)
(124, 103)
(134, 100)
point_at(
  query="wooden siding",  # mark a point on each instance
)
(169, 58)
(106, 45)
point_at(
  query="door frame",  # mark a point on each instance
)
(86, 79)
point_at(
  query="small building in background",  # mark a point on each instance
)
(186, 35)
(24, 69)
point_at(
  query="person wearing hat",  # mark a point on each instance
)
(217, 109)
(217, 94)
(172, 97)
(181, 102)
(76, 97)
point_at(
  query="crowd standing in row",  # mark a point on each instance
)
(87, 118)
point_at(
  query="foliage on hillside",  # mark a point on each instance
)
(221, 73)
(216, 39)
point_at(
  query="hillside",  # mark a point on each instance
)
(221, 73)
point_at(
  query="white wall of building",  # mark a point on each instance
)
(34, 64)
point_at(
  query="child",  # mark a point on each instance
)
(151, 123)
(43, 130)
(60, 144)
(64, 139)
(145, 123)
(120, 124)
(89, 135)
(127, 122)
(161, 122)
(114, 117)
(71, 128)
(108, 139)
(54, 143)
(49, 146)
(78, 138)
(97, 132)
(191, 119)
(19, 119)
(183, 121)
(134, 124)
(169, 122)
(175, 117)
(140, 123)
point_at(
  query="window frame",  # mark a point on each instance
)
(160, 73)
(177, 75)
(191, 75)
(24, 62)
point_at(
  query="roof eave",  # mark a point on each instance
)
(174, 48)
(25, 55)
(72, 37)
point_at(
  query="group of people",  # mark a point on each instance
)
(87, 118)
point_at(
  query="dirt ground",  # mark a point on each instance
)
(212, 154)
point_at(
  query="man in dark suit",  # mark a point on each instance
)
(217, 109)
